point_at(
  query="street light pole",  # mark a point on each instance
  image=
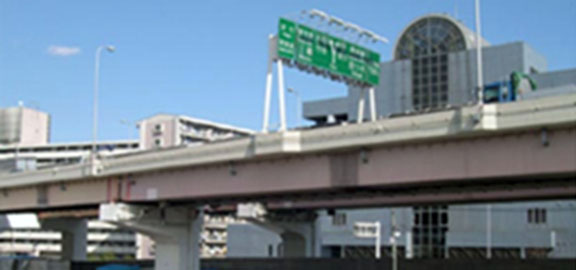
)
(99, 50)
(479, 74)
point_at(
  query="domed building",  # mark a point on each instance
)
(433, 67)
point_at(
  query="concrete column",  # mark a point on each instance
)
(294, 245)
(74, 236)
(4, 223)
(181, 249)
(297, 231)
(175, 231)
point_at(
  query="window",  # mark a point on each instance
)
(157, 131)
(270, 251)
(536, 216)
(427, 43)
(339, 219)
(158, 142)
(430, 225)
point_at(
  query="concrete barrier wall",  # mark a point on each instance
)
(367, 264)
(144, 264)
(356, 264)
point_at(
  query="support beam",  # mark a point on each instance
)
(175, 230)
(268, 95)
(4, 223)
(74, 236)
(281, 99)
(371, 93)
(361, 101)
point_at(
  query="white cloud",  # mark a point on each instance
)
(63, 50)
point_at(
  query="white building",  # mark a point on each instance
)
(165, 130)
(105, 241)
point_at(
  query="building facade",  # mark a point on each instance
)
(105, 241)
(509, 230)
(31, 157)
(166, 130)
(23, 126)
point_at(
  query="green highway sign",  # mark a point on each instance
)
(312, 48)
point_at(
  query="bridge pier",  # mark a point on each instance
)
(4, 223)
(74, 236)
(175, 230)
(297, 231)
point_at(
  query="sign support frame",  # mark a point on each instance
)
(273, 57)
(362, 101)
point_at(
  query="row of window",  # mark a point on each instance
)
(68, 148)
(430, 225)
(536, 216)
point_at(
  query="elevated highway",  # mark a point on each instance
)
(516, 151)
(513, 151)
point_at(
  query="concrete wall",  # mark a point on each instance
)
(248, 240)
(510, 226)
(555, 79)
(498, 63)
(393, 94)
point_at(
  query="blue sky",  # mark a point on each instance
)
(207, 59)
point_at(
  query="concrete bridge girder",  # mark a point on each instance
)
(521, 155)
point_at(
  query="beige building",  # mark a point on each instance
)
(166, 130)
(24, 126)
